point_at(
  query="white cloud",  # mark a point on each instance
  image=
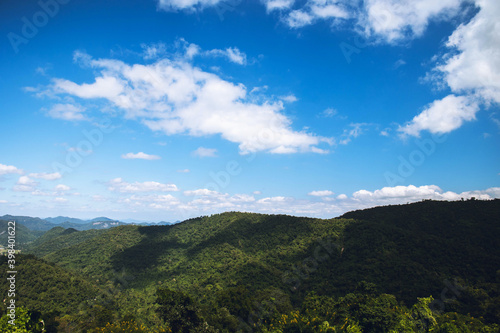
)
(314, 10)
(106, 86)
(236, 56)
(442, 116)
(42, 193)
(399, 63)
(175, 97)
(118, 185)
(25, 184)
(141, 156)
(388, 21)
(242, 198)
(329, 113)
(205, 152)
(183, 171)
(277, 4)
(476, 66)
(322, 193)
(3, 201)
(364, 199)
(356, 129)
(186, 4)
(153, 51)
(204, 201)
(233, 54)
(299, 19)
(472, 68)
(405, 192)
(60, 200)
(289, 98)
(62, 187)
(395, 20)
(201, 192)
(46, 176)
(274, 200)
(411, 193)
(99, 198)
(8, 169)
(69, 112)
(154, 201)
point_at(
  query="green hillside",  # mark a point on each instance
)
(32, 223)
(23, 235)
(366, 271)
(59, 238)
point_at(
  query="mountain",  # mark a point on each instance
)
(38, 225)
(32, 223)
(59, 238)
(23, 235)
(367, 271)
(62, 219)
(145, 223)
(101, 219)
(92, 225)
(426, 243)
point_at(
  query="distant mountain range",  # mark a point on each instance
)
(38, 224)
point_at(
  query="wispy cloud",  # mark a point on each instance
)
(140, 156)
(205, 152)
(322, 193)
(46, 176)
(233, 54)
(69, 112)
(119, 185)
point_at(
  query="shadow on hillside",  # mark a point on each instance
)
(252, 237)
(146, 253)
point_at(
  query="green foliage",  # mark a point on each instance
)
(129, 326)
(25, 322)
(59, 238)
(180, 312)
(45, 287)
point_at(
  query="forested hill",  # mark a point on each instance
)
(234, 261)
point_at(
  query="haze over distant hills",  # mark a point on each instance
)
(39, 224)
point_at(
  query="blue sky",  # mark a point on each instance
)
(170, 109)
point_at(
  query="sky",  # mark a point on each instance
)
(163, 110)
